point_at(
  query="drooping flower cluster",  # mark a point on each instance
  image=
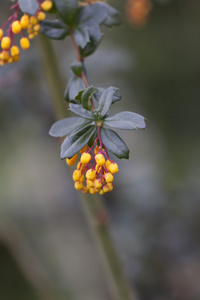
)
(31, 24)
(137, 11)
(94, 171)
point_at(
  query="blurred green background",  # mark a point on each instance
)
(46, 248)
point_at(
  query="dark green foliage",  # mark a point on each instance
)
(91, 104)
(114, 143)
(68, 10)
(72, 145)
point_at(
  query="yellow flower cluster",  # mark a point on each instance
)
(9, 51)
(94, 173)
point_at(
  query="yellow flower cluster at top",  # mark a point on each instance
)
(9, 51)
(94, 171)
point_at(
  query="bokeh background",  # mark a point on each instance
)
(46, 247)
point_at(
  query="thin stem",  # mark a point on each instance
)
(79, 59)
(92, 204)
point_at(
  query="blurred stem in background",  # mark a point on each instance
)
(94, 209)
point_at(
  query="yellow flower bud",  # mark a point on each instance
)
(78, 185)
(90, 183)
(41, 16)
(16, 58)
(113, 168)
(5, 43)
(36, 27)
(93, 191)
(24, 42)
(10, 60)
(100, 160)
(31, 36)
(85, 190)
(110, 186)
(46, 5)
(4, 55)
(85, 158)
(101, 192)
(14, 50)
(108, 162)
(16, 27)
(77, 175)
(24, 21)
(108, 177)
(106, 188)
(91, 174)
(33, 20)
(97, 184)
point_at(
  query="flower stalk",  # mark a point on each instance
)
(94, 209)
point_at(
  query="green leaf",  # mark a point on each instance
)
(74, 86)
(72, 145)
(93, 14)
(77, 68)
(79, 110)
(28, 6)
(114, 143)
(79, 95)
(68, 10)
(54, 29)
(86, 96)
(116, 95)
(126, 120)
(65, 126)
(82, 126)
(105, 101)
(95, 37)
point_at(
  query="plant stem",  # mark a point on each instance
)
(92, 204)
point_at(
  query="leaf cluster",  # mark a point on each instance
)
(82, 130)
(81, 21)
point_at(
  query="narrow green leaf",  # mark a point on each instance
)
(86, 96)
(68, 10)
(28, 6)
(54, 29)
(66, 126)
(73, 88)
(77, 68)
(79, 110)
(126, 120)
(105, 101)
(72, 145)
(114, 143)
